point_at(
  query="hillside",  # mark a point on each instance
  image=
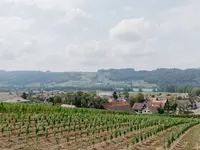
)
(102, 78)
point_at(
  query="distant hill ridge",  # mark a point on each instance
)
(161, 77)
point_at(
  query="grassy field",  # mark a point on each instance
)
(33, 85)
(2, 93)
(33, 127)
(88, 83)
(152, 93)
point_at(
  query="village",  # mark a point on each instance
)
(150, 104)
(139, 103)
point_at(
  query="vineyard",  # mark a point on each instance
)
(25, 126)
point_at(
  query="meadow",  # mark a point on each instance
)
(152, 93)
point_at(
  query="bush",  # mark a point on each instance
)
(160, 110)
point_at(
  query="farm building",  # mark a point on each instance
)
(138, 107)
(147, 108)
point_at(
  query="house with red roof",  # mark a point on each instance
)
(139, 107)
(147, 108)
(119, 106)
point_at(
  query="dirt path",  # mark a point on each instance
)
(190, 140)
(157, 142)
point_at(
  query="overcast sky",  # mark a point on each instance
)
(87, 35)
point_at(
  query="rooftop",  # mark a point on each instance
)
(120, 106)
(138, 106)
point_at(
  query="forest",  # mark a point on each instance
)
(162, 78)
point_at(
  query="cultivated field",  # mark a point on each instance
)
(31, 127)
(152, 93)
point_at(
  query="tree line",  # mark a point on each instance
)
(161, 77)
(193, 91)
(79, 99)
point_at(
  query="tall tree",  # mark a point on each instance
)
(126, 95)
(154, 89)
(78, 99)
(119, 94)
(167, 106)
(115, 96)
(140, 90)
(24, 95)
(139, 98)
(57, 100)
(195, 92)
(132, 101)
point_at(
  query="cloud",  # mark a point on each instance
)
(178, 33)
(76, 15)
(63, 35)
(64, 9)
(87, 50)
(44, 4)
(130, 30)
(180, 19)
(6, 55)
(133, 38)
(12, 25)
